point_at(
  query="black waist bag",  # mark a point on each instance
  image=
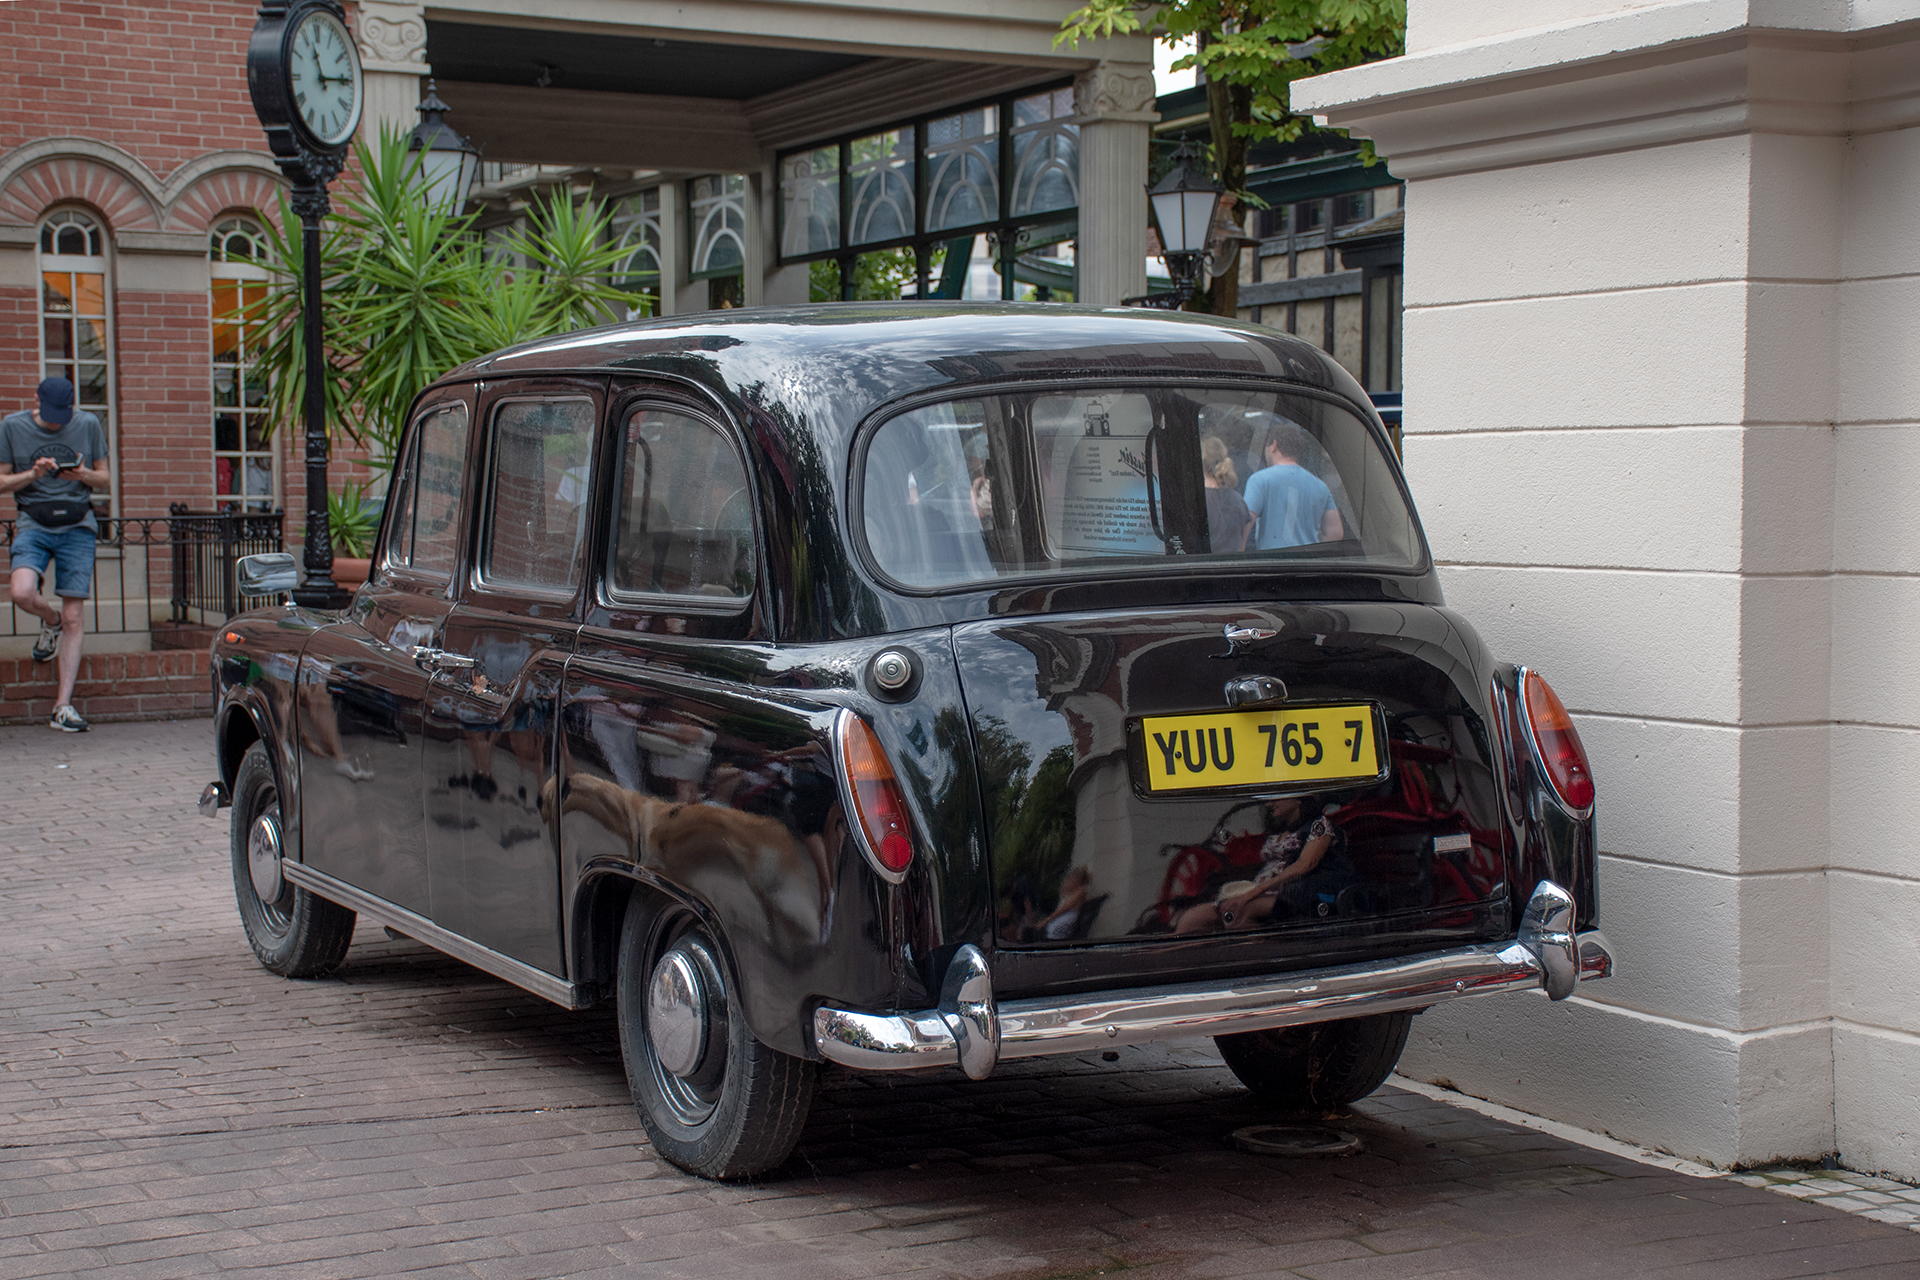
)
(54, 513)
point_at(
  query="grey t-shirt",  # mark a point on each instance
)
(22, 440)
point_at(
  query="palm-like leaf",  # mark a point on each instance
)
(410, 293)
(566, 245)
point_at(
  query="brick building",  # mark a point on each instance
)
(135, 187)
(128, 141)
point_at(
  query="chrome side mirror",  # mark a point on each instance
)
(268, 573)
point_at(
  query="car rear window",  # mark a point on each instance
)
(1018, 483)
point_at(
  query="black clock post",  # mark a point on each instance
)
(311, 156)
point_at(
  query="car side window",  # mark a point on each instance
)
(541, 478)
(425, 532)
(684, 511)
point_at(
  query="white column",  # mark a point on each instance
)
(1113, 105)
(393, 54)
(1661, 388)
(679, 293)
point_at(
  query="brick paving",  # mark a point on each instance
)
(168, 1108)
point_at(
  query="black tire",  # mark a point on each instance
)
(293, 932)
(1318, 1066)
(728, 1107)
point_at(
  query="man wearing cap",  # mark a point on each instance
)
(51, 460)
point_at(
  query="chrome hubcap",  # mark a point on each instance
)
(263, 857)
(687, 1025)
(677, 1014)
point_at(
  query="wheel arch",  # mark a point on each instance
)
(599, 914)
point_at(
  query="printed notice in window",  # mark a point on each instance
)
(1093, 460)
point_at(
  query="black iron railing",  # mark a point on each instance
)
(206, 546)
(185, 558)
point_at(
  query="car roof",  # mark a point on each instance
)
(861, 355)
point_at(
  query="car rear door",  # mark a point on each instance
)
(502, 656)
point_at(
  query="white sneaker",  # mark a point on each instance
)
(67, 720)
(49, 642)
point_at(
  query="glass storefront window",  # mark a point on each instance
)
(928, 189)
(810, 202)
(636, 228)
(75, 320)
(963, 169)
(243, 454)
(718, 208)
(1046, 154)
(881, 167)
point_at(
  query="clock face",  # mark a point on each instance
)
(323, 77)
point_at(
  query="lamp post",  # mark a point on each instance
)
(448, 162)
(303, 74)
(1184, 203)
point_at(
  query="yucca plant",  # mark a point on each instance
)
(409, 293)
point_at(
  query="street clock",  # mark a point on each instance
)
(304, 74)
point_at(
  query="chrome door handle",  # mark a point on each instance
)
(439, 661)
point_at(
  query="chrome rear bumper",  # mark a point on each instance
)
(972, 1030)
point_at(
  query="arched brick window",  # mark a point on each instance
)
(76, 314)
(244, 468)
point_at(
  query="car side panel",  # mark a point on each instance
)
(713, 783)
(255, 662)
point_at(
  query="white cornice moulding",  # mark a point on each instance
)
(1560, 48)
(1809, 83)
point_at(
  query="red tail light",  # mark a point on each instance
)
(1559, 743)
(878, 804)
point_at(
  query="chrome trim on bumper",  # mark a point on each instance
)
(566, 994)
(213, 798)
(963, 1029)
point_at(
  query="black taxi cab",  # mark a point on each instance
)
(911, 686)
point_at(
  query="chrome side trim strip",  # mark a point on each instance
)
(566, 994)
(965, 1035)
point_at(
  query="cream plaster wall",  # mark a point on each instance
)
(1663, 377)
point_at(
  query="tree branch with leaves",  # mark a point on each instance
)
(1250, 53)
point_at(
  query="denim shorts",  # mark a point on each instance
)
(71, 549)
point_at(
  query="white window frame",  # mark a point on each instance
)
(251, 272)
(88, 264)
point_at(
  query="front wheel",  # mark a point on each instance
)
(713, 1099)
(293, 932)
(1318, 1066)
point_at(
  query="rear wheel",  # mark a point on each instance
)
(713, 1099)
(293, 932)
(1320, 1065)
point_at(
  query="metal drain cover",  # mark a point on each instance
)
(1297, 1140)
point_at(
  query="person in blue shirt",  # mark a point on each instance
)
(1291, 506)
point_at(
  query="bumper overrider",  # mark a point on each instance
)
(972, 1030)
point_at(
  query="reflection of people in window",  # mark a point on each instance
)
(1292, 506)
(1228, 519)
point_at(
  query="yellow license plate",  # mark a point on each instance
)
(1277, 746)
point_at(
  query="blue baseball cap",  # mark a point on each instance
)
(56, 401)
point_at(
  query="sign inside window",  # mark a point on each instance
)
(1093, 454)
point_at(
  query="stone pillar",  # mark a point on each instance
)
(1113, 102)
(393, 53)
(1662, 404)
